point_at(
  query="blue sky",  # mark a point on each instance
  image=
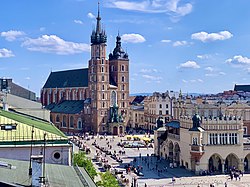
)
(194, 45)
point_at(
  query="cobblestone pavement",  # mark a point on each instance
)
(152, 178)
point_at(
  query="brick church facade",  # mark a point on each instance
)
(81, 100)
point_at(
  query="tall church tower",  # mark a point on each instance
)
(98, 82)
(119, 71)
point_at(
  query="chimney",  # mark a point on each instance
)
(36, 162)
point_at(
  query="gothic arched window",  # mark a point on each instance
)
(113, 98)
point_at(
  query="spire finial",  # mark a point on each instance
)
(98, 9)
(98, 25)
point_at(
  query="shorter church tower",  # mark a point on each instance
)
(119, 74)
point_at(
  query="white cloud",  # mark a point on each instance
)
(54, 44)
(192, 81)
(205, 56)
(215, 74)
(238, 59)
(152, 78)
(173, 7)
(27, 78)
(189, 64)
(165, 41)
(209, 69)
(90, 15)
(148, 70)
(78, 22)
(5, 53)
(222, 73)
(180, 43)
(206, 37)
(12, 35)
(133, 38)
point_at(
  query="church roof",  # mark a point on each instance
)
(244, 88)
(68, 107)
(68, 78)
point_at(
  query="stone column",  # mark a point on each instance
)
(223, 166)
(241, 164)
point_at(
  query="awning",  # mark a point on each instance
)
(146, 139)
(174, 124)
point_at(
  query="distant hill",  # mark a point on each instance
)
(171, 94)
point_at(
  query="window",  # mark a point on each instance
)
(160, 112)
(167, 112)
(112, 68)
(160, 106)
(57, 118)
(103, 104)
(122, 68)
(245, 130)
(103, 78)
(79, 123)
(123, 104)
(123, 79)
(102, 61)
(123, 95)
(102, 69)
(64, 121)
(223, 138)
(166, 105)
(195, 141)
(113, 98)
(71, 122)
(103, 87)
(57, 155)
(103, 96)
(123, 87)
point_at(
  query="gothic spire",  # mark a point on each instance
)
(98, 36)
(98, 24)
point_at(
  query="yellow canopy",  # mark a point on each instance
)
(146, 139)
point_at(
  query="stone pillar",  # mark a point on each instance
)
(241, 164)
(223, 166)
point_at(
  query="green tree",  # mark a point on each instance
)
(82, 161)
(108, 180)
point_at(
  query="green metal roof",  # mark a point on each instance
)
(57, 175)
(68, 78)
(23, 129)
(68, 107)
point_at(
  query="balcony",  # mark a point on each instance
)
(197, 148)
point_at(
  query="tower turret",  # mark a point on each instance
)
(98, 36)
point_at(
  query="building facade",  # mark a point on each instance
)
(215, 145)
(155, 106)
(105, 83)
(215, 142)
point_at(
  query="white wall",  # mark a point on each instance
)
(23, 153)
